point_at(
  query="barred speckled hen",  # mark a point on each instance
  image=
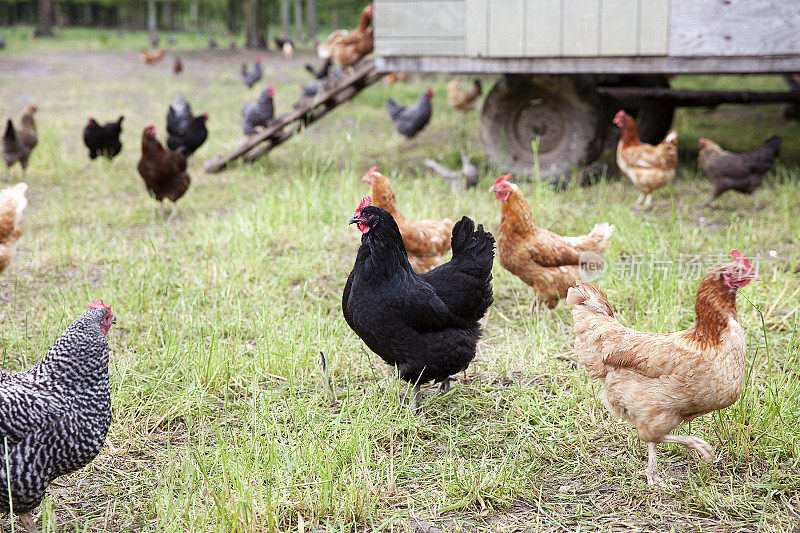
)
(55, 416)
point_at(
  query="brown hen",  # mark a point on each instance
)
(426, 240)
(544, 260)
(648, 167)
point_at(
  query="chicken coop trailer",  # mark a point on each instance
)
(566, 66)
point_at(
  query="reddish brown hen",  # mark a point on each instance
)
(163, 171)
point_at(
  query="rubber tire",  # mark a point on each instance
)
(562, 111)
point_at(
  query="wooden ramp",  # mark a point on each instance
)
(306, 111)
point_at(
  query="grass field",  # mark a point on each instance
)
(222, 421)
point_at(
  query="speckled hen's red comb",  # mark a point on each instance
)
(98, 304)
(502, 179)
(372, 169)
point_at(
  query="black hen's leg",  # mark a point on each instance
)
(444, 386)
(415, 394)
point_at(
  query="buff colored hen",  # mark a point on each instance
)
(426, 240)
(656, 381)
(648, 167)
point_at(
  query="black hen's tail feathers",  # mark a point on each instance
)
(10, 134)
(464, 283)
(774, 143)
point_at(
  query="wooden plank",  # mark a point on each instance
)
(364, 75)
(581, 28)
(422, 46)
(619, 27)
(595, 65)
(506, 28)
(694, 98)
(653, 27)
(543, 28)
(428, 19)
(477, 27)
(734, 27)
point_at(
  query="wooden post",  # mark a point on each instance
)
(311, 15)
(298, 20)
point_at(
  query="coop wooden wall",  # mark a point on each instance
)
(587, 28)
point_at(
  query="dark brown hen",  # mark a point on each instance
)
(736, 172)
(163, 171)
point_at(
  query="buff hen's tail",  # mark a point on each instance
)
(590, 308)
(12, 204)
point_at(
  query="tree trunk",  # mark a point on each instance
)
(285, 19)
(169, 15)
(253, 35)
(44, 27)
(311, 14)
(298, 20)
(233, 16)
(263, 23)
(193, 14)
(152, 16)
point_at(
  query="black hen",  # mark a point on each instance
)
(323, 70)
(103, 140)
(250, 77)
(412, 119)
(54, 417)
(185, 132)
(425, 325)
(191, 137)
(736, 172)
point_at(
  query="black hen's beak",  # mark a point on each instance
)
(354, 220)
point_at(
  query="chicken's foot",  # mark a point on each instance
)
(706, 203)
(648, 202)
(444, 386)
(756, 205)
(173, 213)
(703, 448)
(638, 203)
(651, 472)
(27, 522)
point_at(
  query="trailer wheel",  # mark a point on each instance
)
(561, 112)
